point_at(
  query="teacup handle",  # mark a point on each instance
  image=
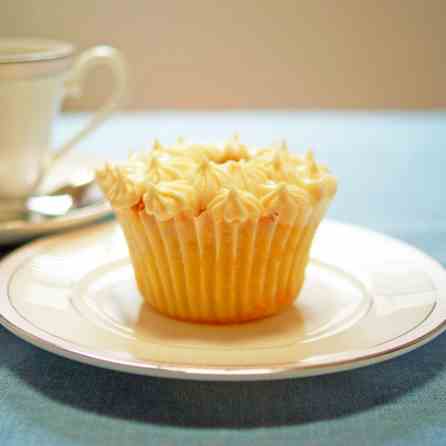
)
(98, 55)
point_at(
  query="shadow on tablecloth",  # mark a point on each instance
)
(207, 404)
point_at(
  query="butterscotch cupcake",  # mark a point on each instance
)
(218, 235)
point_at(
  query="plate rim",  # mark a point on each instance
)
(73, 217)
(427, 330)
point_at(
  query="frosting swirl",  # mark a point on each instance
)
(234, 205)
(278, 163)
(287, 201)
(200, 152)
(122, 191)
(166, 200)
(245, 175)
(156, 166)
(316, 179)
(207, 180)
(234, 150)
(193, 152)
(280, 151)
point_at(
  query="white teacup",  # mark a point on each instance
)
(35, 76)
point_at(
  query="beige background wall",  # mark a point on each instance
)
(255, 53)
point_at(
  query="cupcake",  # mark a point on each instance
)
(218, 234)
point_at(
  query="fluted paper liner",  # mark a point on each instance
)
(203, 270)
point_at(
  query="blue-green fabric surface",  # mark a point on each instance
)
(391, 168)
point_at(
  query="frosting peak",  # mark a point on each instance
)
(313, 169)
(277, 165)
(316, 179)
(232, 205)
(207, 180)
(157, 147)
(122, 191)
(158, 170)
(234, 150)
(245, 175)
(280, 156)
(155, 167)
(168, 199)
(287, 201)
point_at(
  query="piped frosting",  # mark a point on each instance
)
(168, 199)
(230, 183)
(234, 150)
(208, 178)
(121, 190)
(245, 175)
(287, 201)
(316, 178)
(235, 205)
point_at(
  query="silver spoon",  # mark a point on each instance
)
(58, 203)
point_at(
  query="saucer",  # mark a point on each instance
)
(366, 298)
(95, 208)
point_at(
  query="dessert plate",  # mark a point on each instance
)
(366, 298)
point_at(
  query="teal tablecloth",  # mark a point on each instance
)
(392, 178)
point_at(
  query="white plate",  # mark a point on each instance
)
(76, 165)
(367, 298)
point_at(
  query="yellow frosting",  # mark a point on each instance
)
(315, 178)
(280, 154)
(121, 190)
(176, 150)
(230, 182)
(199, 152)
(207, 179)
(167, 199)
(156, 166)
(277, 163)
(234, 150)
(245, 175)
(287, 201)
(192, 152)
(235, 205)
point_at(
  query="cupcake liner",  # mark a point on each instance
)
(206, 270)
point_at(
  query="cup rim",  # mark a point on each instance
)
(37, 49)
